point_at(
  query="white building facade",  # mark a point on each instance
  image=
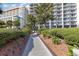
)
(16, 13)
(65, 15)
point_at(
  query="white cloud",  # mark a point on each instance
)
(13, 5)
(5, 5)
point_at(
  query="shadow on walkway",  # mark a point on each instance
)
(29, 46)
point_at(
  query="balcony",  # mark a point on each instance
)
(67, 16)
(57, 10)
(57, 4)
(59, 23)
(66, 23)
(67, 20)
(67, 12)
(73, 8)
(73, 24)
(55, 7)
(56, 14)
(73, 20)
(67, 5)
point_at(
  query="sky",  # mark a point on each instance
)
(5, 6)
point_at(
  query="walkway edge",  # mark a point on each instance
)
(50, 54)
(28, 47)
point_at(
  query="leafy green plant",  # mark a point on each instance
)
(7, 35)
(70, 35)
(70, 52)
(25, 31)
(16, 23)
(2, 24)
(9, 23)
(56, 40)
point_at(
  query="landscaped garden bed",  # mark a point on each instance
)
(61, 41)
(14, 48)
(57, 50)
(12, 41)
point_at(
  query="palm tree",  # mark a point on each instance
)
(44, 12)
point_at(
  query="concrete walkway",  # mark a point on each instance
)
(39, 49)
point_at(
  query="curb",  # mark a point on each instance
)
(29, 47)
(48, 48)
(50, 54)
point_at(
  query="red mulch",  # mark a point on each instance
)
(14, 48)
(58, 50)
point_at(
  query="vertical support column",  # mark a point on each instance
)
(21, 17)
(70, 22)
(77, 15)
(62, 17)
(50, 24)
(21, 23)
(12, 20)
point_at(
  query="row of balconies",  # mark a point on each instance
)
(69, 4)
(68, 20)
(69, 7)
(70, 16)
(60, 24)
(70, 13)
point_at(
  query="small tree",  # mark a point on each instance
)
(9, 23)
(44, 12)
(31, 21)
(2, 23)
(16, 23)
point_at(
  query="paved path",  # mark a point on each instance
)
(39, 49)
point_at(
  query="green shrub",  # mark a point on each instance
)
(25, 31)
(7, 35)
(46, 33)
(56, 40)
(70, 52)
(70, 35)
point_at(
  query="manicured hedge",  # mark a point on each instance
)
(70, 35)
(7, 35)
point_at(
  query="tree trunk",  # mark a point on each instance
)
(44, 24)
(33, 26)
(38, 26)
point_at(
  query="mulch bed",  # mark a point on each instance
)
(57, 50)
(14, 48)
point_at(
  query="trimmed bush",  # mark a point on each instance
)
(7, 35)
(70, 35)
